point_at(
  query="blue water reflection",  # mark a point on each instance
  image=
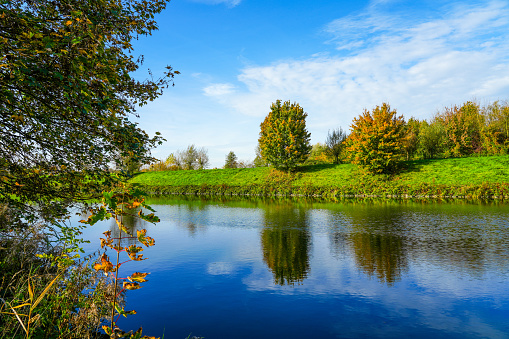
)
(255, 269)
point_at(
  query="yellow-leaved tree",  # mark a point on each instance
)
(375, 141)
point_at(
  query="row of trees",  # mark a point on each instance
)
(191, 158)
(380, 139)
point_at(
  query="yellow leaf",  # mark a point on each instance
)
(131, 286)
(137, 276)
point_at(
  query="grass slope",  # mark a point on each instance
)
(458, 176)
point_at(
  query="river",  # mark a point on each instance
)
(284, 269)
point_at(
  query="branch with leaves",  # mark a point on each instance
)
(117, 205)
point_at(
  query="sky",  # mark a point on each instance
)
(333, 57)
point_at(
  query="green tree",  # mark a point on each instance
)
(431, 139)
(66, 96)
(411, 139)
(259, 161)
(335, 143)
(231, 160)
(375, 140)
(462, 129)
(284, 140)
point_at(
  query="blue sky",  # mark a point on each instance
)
(335, 58)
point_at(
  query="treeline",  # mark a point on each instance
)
(379, 139)
(459, 131)
(189, 159)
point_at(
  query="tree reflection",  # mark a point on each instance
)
(132, 223)
(374, 236)
(285, 243)
(380, 255)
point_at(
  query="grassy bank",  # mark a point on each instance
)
(475, 177)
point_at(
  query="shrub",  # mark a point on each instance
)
(375, 141)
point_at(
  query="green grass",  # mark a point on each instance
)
(457, 176)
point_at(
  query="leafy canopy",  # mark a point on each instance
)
(67, 93)
(375, 141)
(284, 140)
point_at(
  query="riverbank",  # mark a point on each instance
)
(473, 177)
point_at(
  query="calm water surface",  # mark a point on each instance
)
(272, 269)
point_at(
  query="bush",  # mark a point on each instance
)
(375, 142)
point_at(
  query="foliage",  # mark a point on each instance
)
(259, 161)
(192, 158)
(286, 250)
(410, 141)
(431, 139)
(462, 129)
(495, 132)
(66, 95)
(50, 295)
(231, 160)
(335, 143)
(119, 206)
(318, 155)
(375, 140)
(284, 140)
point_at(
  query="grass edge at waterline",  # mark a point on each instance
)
(472, 177)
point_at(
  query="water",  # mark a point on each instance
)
(255, 269)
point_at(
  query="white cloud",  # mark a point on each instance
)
(416, 66)
(217, 90)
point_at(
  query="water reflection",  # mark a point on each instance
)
(379, 255)
(354, 270)
(286, 244)
(132, 223)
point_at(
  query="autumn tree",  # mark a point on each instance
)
(284, 140)
(67, 96)
(462, 129)
(335, 143)
(376, 139)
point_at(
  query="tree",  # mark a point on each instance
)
(231, 160)
(192, 158)
(202, 158)
(462, 129)
(375, 140)
(431, 138)
(411, 139)
(259, 161)
(66, 95)
(284, 140)
(335, 143)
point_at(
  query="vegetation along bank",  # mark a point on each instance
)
(471, 177)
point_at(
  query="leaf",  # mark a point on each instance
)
(149, 217)
(131, 286)
(147, 241)
(137, 276)
(98, 215)
(43, 293)
(105, 264)
(132, 252)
